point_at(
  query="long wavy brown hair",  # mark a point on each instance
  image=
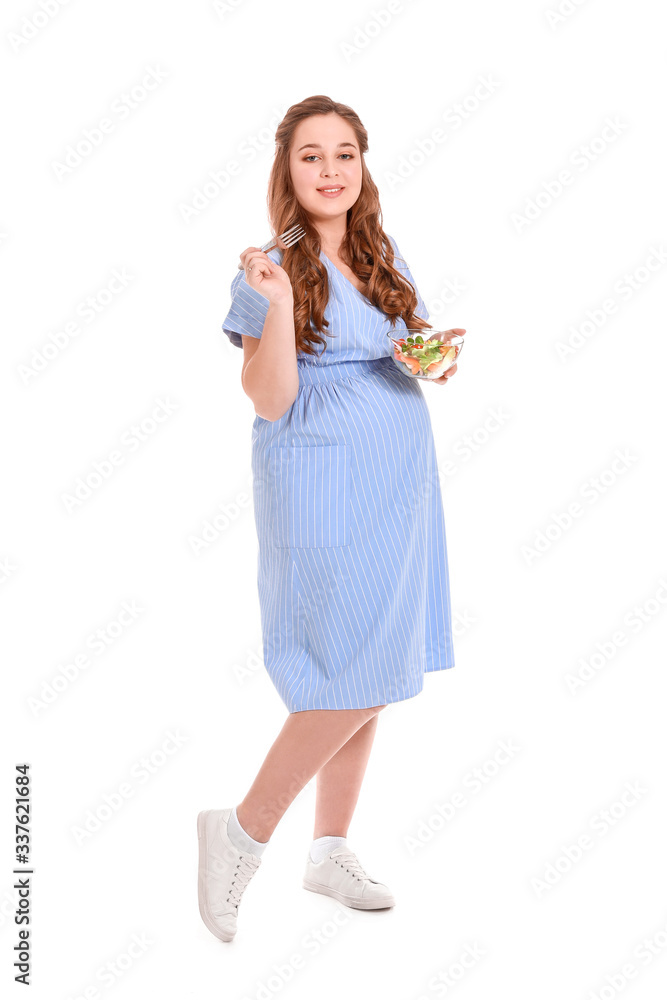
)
(365, 248)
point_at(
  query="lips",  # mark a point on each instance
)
(336, 187)
(331, 194)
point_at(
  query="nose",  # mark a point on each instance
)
(329, 172)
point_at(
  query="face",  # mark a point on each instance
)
(331, 159)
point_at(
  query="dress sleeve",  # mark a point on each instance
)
(247, 312)
(401, 265)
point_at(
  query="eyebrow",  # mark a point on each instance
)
(316, 145)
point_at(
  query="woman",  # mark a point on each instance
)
(352, 568)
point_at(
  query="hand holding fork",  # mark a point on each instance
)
(262, 274)
(288, 239)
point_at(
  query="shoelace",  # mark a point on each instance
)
(245, 869)
(350, 862)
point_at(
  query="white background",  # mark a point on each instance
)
(528, 613)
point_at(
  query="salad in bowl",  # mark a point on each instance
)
(420, 357)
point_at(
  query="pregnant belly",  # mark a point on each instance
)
(348, 451)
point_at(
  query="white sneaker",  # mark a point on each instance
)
(224, 873)
(340, 875)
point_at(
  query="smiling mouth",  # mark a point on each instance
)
(330, 190)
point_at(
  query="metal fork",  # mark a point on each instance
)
(289, 238)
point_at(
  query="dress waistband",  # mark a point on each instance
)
(310, 373)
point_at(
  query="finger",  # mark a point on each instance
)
(257, 257)
(246, 251)
(258, 264)
(257, 270)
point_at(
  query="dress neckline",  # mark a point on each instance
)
(345, 278)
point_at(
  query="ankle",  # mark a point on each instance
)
(255, 830)
(241, 838)
(322, 847)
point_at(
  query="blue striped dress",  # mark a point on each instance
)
(352, 559)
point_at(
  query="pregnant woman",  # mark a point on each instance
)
(352, 568)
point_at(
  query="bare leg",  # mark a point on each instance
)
(305, 743)
(339, 783)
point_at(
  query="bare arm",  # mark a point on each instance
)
(270, 377)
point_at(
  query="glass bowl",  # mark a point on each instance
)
(425, 357)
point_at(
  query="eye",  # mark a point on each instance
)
(314, 156)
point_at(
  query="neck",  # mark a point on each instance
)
(331, 235)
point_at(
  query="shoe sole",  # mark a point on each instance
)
(358, 904)
(203, 909)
